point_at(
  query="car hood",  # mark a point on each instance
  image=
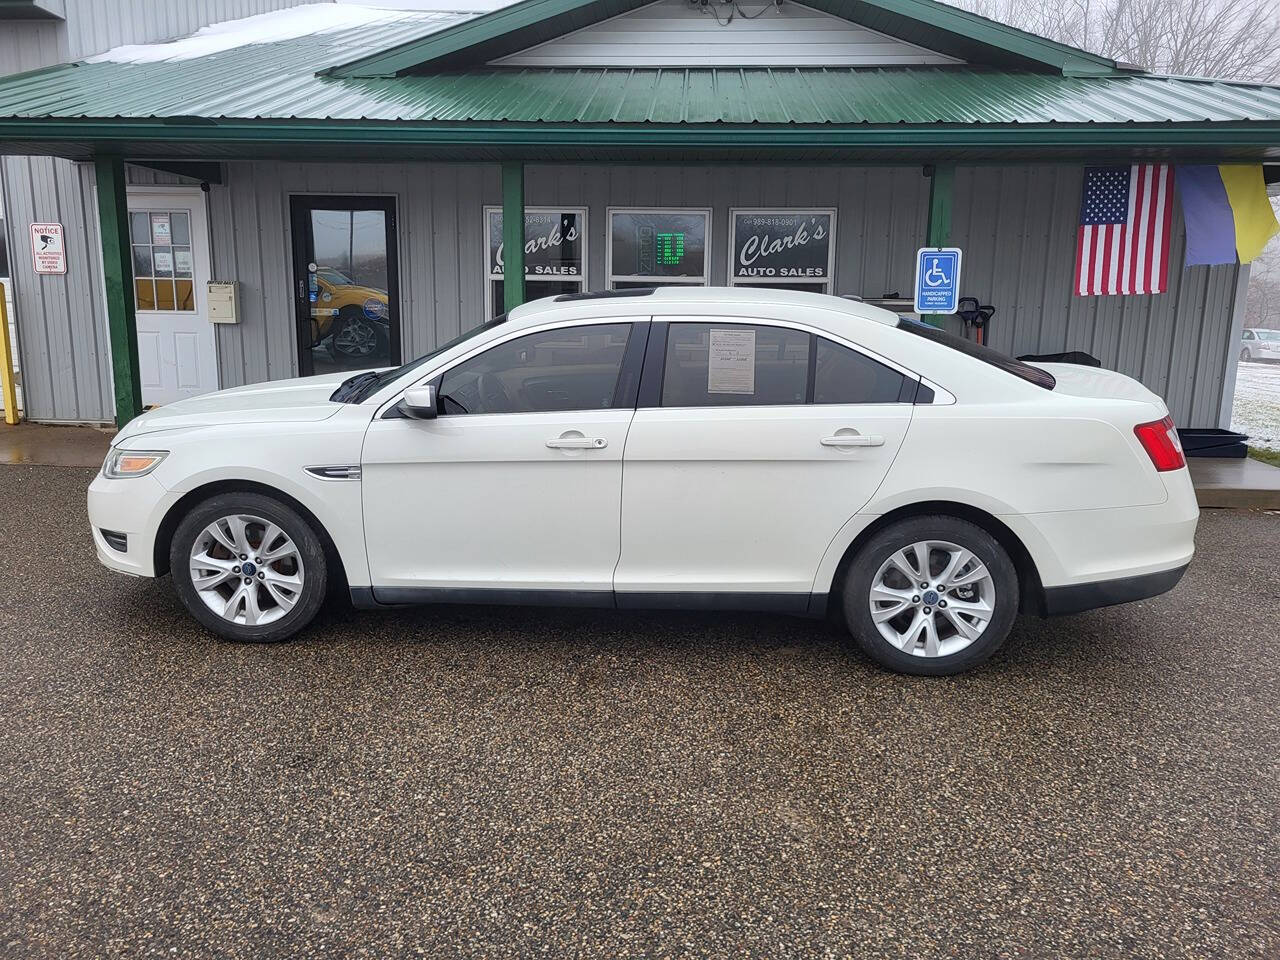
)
(1078, 380)
(280, 401)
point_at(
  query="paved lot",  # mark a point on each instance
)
(536, 783)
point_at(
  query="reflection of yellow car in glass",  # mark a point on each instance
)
(351, 317)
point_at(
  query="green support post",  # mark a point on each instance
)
(512, 234)
(942, 181)
(117, 263)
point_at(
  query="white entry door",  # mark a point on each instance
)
(169, 232)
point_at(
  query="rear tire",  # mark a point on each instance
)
(950, 620)
(248, 567)
(1245, 355)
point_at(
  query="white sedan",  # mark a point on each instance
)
(682, 448)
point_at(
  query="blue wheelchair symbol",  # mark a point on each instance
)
(937, 279)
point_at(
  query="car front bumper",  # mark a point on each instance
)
(133, 508)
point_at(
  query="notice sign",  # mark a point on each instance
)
(731, 362)
(782, 244)
(48, 252)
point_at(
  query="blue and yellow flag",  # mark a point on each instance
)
(1227, 212)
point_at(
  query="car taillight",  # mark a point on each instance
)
(1160, 439)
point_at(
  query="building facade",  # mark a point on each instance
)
(346, 207)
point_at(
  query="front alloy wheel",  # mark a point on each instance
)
(248, 567)
(247, 570)
(931, 595)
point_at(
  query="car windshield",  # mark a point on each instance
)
(1025, 371)
(1268, 334)
(362, 385)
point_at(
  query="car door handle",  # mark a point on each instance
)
(852, 440)
(578, 443)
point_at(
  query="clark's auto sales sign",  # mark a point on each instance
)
(782, 244)
(552, 244)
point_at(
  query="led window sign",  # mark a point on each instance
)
(670, 249)
(658, 246)
(782, 247)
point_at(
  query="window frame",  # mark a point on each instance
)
(828, 283)
(655, 362)
(611, 278)
(489, 277)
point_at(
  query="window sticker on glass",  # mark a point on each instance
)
(731, 362)
(183, 260)
(164, 263)
(160, 232)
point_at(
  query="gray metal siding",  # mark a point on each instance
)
(439, 231)
(673, 33)
(1017, 227)
(95, 26)
(62, 337)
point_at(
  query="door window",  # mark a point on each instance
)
(163, 268)
(346, 272)
(571, 368)
(732, 364)
(842, 375)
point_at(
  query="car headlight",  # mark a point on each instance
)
(131, 463)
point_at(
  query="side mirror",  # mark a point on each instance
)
(419, 403)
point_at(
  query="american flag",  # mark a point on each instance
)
(1125, 215)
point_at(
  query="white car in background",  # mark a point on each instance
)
(726, 449)
(1257, 343)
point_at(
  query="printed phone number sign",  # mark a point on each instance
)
(48, 251)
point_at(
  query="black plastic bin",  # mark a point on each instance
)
(1213, 443)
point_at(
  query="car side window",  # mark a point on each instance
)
(734, 364)
(842, 375)
(1248, 334)
(570, 368)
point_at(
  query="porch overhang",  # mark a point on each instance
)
(178, 139)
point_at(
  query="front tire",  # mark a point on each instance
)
(932, 595)
(248, 567)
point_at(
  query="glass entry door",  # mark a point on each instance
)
(345, 283)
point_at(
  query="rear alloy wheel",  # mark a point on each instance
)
(1245, 355)
(931, 595)
(248, 567)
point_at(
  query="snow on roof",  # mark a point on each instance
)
(295, 22)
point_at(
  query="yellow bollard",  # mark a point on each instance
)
(10, 392)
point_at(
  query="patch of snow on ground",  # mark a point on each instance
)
(1257, 405)
(288, 24)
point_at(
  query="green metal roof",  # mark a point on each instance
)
(261, 99)
(284, 86)
(927, 23)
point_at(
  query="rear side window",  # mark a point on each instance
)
(842, 375)
(1024, 371)
(734, 365)
(572, 368)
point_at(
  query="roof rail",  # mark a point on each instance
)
(606, 294)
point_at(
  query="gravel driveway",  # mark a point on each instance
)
(511, 782)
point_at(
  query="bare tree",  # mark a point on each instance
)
(1234, 39)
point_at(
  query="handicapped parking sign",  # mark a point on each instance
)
(937, 279)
